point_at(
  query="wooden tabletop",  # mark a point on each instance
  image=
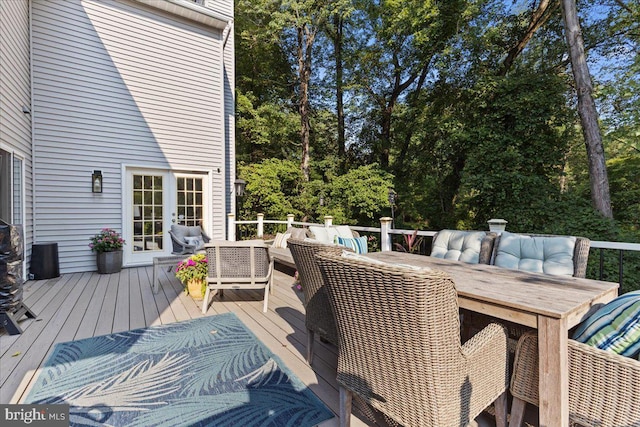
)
(515, 295)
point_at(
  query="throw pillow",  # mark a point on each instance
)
(614, 327)
(281, 240)
(297, 233)
(196, 241)
(358, 244)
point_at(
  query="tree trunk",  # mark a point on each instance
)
(538, 18)
(337, 45)
(599, 182)
(305, 42)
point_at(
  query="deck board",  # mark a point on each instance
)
(82, 305)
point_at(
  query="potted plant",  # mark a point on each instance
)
(192, 272)
(107, 245)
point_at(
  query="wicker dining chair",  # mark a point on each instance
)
(238, 265)
(400, 350)
(604, 387)
(318, 314)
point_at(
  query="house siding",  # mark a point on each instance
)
(119, 83)
(15, 92)
(225, 9)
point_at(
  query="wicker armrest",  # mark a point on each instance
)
(604, 388)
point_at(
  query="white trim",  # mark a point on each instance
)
(190, 10)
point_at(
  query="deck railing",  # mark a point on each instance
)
(389, 238)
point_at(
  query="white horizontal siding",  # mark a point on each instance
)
(15, 90)
(117, 83)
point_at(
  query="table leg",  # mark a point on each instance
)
(554, 372)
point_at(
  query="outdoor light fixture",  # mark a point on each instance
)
(239, 185)
(393, 196)
(96, 182)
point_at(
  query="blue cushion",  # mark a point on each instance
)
(458, 245)
(614, 327)
(358, 244)
(539, 254)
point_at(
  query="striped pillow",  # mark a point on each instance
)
(358, 244)
(614, 327)
(280, 240)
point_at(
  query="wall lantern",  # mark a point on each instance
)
(96, 182)
(239, 185)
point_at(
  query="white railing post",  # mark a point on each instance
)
(328, 220)
(497, 225)
(385, 236)
(231, 227)
(260, 225)
(290, 220)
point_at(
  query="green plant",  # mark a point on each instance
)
(107, 240)
(193, 268)
(411, 243)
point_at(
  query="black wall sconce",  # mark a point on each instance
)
(239, 185)
(96, 182)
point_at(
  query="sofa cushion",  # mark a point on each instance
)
(614, 327)
(358, 244)
(539, 254)
(458, 245)
(297, 233)
(344, 231)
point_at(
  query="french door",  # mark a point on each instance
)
(154, 200)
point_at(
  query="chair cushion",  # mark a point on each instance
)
(344, 231)
(358, 244)
(458, 245)
(182, 231)
(539, 254)
(297, 233)
(196, 241)
(321, 234)
(614, 327)
(280, 240)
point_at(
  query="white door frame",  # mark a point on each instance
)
(169, 203)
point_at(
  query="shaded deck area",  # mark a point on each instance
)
(82, 305)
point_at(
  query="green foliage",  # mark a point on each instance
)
(276, 188)
(273, 187)
(264, 130)
(521, 137)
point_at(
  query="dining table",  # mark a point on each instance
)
(550, 304)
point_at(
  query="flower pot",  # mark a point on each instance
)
(194, 287)
(109, 262)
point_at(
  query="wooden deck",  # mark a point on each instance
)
(82, 305)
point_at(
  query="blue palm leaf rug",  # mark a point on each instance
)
(205, 372)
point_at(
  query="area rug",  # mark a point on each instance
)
(205, 372)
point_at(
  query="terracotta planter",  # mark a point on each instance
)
(109, 262)
(194, 286)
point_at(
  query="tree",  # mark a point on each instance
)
(598, 179)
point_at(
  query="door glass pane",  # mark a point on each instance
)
(17, 190)
(190, 200)
(147, 213)
(5, 186)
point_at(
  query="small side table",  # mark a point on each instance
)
(163, 261)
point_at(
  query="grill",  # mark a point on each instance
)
(11, 278)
